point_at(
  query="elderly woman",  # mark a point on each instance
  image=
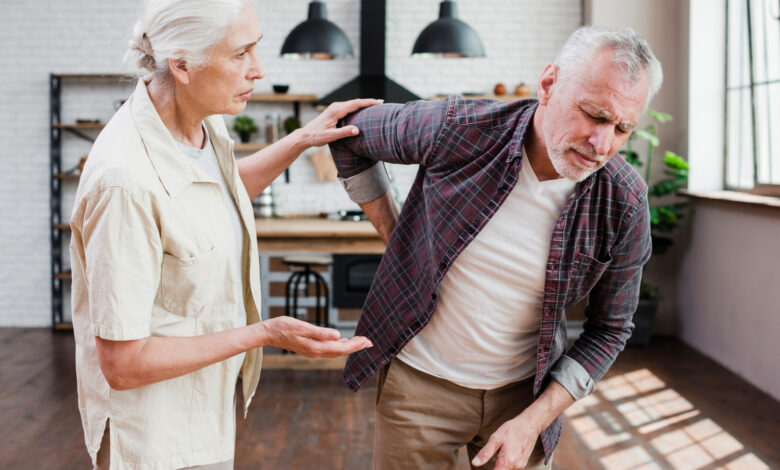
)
(165, 267)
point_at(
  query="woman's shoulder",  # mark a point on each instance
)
(118, 159)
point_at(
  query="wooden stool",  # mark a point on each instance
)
(321, 317)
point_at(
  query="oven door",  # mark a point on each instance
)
(352, 278)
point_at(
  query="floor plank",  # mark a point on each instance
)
(662, 407)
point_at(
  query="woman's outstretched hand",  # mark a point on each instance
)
(322, 129)
(307, 339)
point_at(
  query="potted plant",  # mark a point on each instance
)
(244, 126)
(664, 215)
(290, 124)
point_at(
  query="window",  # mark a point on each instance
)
(753, 96)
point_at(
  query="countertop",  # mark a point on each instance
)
(317, 235)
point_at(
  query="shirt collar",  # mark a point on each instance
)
(174, 169)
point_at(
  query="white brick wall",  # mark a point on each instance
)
(89, 36)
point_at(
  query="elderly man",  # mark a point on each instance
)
(518, 211)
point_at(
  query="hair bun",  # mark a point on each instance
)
(145, 47)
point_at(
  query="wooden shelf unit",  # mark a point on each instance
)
(282, 98)
(249, 147)
(60, 273)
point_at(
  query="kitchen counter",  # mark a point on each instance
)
(315, 235)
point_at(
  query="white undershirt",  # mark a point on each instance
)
(206, 160)
(485, 329)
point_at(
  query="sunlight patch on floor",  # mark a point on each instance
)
(634, 421)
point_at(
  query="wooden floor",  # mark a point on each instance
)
(661, 407)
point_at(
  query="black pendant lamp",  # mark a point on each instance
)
(448, 36)
(316, 38)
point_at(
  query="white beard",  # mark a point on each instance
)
(572, 169)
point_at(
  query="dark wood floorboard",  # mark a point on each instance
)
(665, 406)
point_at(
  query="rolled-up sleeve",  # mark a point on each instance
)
(121, 265)
(611, 306)
(368, 185)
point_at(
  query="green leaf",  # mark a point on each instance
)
(659, 116)
(654, 219)
(631, 157)
(649, 291)
(673, 160)
(677, 173)
(667, 215)
(664, 188)
(643, 134)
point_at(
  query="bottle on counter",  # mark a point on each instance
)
(271, 128)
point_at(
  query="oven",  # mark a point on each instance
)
(352, 278)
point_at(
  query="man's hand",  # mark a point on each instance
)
(514, 441)
(309, 340)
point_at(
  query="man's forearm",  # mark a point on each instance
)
(383, 213)
(550, 404)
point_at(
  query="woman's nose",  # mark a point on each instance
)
(256, 72)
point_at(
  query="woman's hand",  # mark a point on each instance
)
(322, 129)
(307, 339)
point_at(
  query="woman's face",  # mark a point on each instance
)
(225, 84)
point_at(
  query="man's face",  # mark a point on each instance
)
(589, 117)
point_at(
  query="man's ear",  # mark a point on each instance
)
(179, 70)
(546, 81)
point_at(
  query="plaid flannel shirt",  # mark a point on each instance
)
(470, 153)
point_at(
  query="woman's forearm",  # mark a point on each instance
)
(258, 170)
(132, 364)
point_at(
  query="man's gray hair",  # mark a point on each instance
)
(632, 54)
(180, 29)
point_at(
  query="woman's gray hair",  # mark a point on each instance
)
(180, 29)
(632, 54)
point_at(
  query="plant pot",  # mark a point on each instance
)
(644, 319)
(244, 136)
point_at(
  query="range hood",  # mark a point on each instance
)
(372, 81)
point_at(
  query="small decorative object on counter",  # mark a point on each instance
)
(244, 126)
(280, 88)
(500, 89)
(271, 128)
(522, 90)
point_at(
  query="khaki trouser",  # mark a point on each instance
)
(422, 421)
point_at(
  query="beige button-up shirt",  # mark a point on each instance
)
(153, 254)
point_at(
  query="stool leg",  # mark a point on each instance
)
(317, 299)
(325, 320)
(288, 295)
(296, 289)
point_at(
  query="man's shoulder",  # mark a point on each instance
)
(489, 113)
(625, 178)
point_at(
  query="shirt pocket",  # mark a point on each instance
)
(187, 283)
(585, 273)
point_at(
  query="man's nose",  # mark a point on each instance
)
(601, 139)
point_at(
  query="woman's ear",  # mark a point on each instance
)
(546, 81)
(179, 70)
